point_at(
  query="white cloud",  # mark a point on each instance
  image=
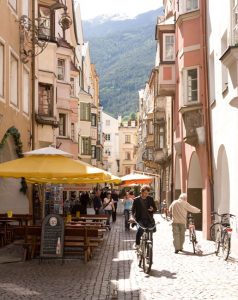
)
(131, 8)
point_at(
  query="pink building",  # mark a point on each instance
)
(191, 138)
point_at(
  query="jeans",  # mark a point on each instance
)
(108, 213)
(139, 234)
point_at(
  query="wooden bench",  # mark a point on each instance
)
(31, 242)
(77, 240)
(81, 239)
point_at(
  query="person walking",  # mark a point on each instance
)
(97, 203)
(142, 210)
(128, 202)
(108, 207)
(178, 209)
(115, 198)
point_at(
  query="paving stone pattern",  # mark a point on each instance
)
(113, 272)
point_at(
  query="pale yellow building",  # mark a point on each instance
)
(15, 104)
(128, 142)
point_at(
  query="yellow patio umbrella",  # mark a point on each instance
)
(113, 179)
(52, 169)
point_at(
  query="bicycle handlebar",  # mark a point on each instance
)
(222, 215)
(144, 228)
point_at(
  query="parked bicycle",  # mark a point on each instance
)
(220, 233)
(192, 231)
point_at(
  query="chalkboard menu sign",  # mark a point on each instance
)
(52, 236)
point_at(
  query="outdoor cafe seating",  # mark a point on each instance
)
(81, 235)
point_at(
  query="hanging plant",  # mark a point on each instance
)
(18, 146)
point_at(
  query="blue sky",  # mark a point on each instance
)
(131, 8)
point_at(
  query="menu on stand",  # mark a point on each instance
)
(52, 236)
(53, 199)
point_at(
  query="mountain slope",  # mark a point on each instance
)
(124, 54)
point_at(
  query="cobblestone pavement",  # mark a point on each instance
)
(113, 272)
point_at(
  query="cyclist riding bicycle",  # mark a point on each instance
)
(142, 210)
(128, 202)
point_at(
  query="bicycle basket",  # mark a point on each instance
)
(225, 220)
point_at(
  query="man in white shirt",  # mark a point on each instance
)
(179, 209)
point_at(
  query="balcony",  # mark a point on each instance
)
(162, 156)
(166, 79)
(193, 122)
(45, 120)
(230, 57)
(148, 159)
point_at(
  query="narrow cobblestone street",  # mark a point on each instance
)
(113, 272)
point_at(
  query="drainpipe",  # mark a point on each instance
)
(172, 152)
(33, 67)
(207, 114)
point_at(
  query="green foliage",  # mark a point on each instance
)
(13, 131)
(124, 59)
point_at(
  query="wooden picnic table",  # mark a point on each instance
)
(78, 238)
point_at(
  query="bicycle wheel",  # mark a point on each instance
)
(139, 256)
(214, 229)
(147, 257)
(226, 245)
(218, 239)
(192, 238)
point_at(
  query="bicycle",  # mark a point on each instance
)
(192, 231)
(220, 233)
(145, 250)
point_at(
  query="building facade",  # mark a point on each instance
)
(15, 104)
(111, 144)
(128, 143)
(222, 64)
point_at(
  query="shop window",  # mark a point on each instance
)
(14, 80)
(45, 100)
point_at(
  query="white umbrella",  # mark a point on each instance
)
(48, 151)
